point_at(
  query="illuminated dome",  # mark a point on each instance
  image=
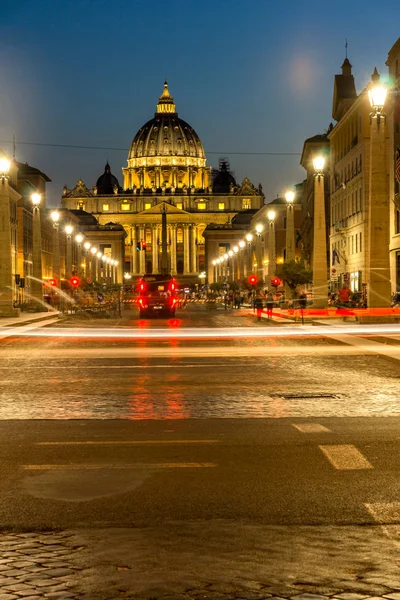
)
(166, 134)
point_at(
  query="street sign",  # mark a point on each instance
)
(333, 271)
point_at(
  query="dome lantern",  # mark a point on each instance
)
(166, 101)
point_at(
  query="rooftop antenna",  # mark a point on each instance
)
(346, 44)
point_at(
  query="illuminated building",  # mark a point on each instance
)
(166, 171)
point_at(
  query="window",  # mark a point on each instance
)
(179, 205)
(246, 203)
(221, 205)
(106, 207)
(201, 206)
(397, 220)
(125, 206)
(147, 205)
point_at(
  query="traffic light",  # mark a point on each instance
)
(53, 282)
(143, 244)
(138, 245)
(74, 281)
(253, 280)
(276, 282)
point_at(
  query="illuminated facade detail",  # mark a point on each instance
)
(166, 172)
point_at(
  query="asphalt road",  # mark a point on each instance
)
(99, 434)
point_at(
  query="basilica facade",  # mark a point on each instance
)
(166, 172)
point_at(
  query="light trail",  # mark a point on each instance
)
(203, 333)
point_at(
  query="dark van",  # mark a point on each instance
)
(157, 295)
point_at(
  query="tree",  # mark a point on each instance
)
(294, 273)
(216, 286)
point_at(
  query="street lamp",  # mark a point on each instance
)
(378, 258)
(7, 242)
(271, 214)
(93, 251)
(68, 230)
(55, 217)
(259, 230)
(37, 284)
(320, 279)
(79, 240)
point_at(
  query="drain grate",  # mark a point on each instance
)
(306, 396)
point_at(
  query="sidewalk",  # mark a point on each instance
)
(26, 318)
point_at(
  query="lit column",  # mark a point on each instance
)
(55, 217)
(249, 266)
(186, 250)
(99, 265)
(134, 252)
(271, 246)
(194, 249)
(79, 240)
(6, 274)
(68, 230)
(320, 280)
(86, 245)
(214, 264)
(173, 249)
(37, 284)
(236, 270)
(230, 261)
(142, 253)
(242, 265)
(378, 260)
(93, 269)
(290, 243)
(259, 253)
(154, 244)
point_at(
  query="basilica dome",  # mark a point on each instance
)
(166, 135)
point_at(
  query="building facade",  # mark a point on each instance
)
(166, 172)
(393, 63)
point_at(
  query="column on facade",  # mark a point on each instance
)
(134, 251)
(154, 246)
(193, 249)
(142, 253)
(186, 250)
(173, 230)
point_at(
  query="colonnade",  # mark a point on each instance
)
(183, 248)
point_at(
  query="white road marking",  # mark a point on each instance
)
(311, 427)
(345, 457)
(24, 330)
(387, 513)
(126, 443)
(97, 467)
(369, 346)
(198, 351)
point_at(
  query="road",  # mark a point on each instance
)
(202, 466)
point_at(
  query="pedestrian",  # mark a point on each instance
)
(270, 305)
(258, 305)
(344, 295)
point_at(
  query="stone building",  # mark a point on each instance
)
(393, 63)
(350, 183)
(166, 172)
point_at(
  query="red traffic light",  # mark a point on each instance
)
(74, 282)
(53, 282)
(275, 281)
(253, 280)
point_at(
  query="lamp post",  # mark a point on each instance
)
(320, 279)
(6, 264)
(271, 246)
(93, 251)
(236, 273)
(36, 282)
(242, 245)
(225, 272)
(249, 239)
(68, 267)
(79, 240)
(259, 230)
(214, 264)
(55, 217)
(230, 265)
(99, 266)
(378, 261)
(87, 245)
(290, 243)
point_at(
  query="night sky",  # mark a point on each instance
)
(250, 76)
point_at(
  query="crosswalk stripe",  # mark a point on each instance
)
(345, 457)
(97, 467)
(388, 514)
(126, 442)
(311, 427)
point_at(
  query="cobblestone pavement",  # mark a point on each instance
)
(36, 565)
